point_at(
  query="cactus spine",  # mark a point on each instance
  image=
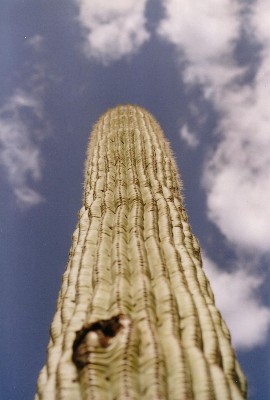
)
(136, 317)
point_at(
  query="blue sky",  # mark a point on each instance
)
(202, 69)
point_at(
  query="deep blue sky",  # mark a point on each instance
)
(200, 70)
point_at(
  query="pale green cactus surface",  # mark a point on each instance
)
(136, 317)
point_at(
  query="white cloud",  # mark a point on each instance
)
(260, 11)
(237, 171)
(113, 29)
(19, 154)
(27, 196)
(238, 174)
(36, 42)
(189, 137)
(237, 297)
(204, 33)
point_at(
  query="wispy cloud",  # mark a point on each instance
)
(237, 297)
(112, 30)
(189, 137)
(237, 171)
(36, 42)
(19, 152)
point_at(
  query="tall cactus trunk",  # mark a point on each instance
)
(136, 317)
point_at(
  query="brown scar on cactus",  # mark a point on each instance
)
(96, 334)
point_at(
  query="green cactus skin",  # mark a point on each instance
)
(136, 317)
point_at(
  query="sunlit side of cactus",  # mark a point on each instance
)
(136, 317)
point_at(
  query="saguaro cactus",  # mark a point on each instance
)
(136, 317)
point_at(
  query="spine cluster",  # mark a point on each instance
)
(136, 317)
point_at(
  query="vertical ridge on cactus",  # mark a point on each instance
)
(136, 317)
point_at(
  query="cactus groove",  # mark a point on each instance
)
(136, 317)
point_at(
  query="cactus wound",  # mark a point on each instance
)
(97, 334)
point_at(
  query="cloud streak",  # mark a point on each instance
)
(36, 42)
(189, 137)
(112, 30)
(19, 153)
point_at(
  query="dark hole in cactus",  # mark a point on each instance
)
(104, 330)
